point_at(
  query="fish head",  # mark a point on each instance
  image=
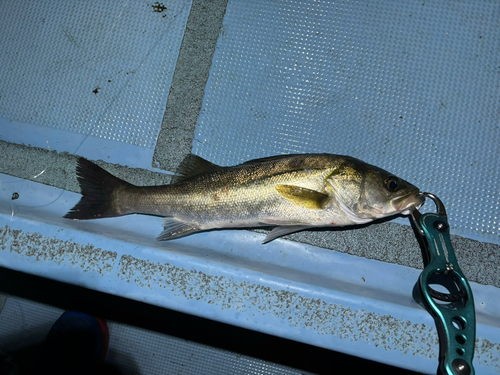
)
(365, 192)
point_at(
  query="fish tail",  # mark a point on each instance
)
(99, 189)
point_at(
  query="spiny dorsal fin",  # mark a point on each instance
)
(303, 197)
(268, 158)
(193, 165)
(280, 157)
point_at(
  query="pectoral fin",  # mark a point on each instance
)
(175, 229)
(303, 197)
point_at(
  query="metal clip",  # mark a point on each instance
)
(453, 306)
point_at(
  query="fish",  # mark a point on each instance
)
(290, 192)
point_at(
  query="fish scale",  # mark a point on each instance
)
(292, 192)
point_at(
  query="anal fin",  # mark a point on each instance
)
(173, 228)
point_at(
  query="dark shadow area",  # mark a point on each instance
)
(238, 340)
(25, 361)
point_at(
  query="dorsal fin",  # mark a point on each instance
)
(268, 158)
(280, 157)
(192, 166)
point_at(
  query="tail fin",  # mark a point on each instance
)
(98, 189)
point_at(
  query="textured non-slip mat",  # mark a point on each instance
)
(102, 68)
(409, 86)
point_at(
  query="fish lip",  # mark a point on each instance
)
(410, 200)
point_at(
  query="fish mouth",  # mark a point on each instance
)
(405, 202)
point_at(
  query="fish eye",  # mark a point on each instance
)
(392, 183)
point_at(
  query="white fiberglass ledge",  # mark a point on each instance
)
(300, 292)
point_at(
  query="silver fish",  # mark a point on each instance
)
(291, 192)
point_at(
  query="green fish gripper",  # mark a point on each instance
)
(453, 311)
